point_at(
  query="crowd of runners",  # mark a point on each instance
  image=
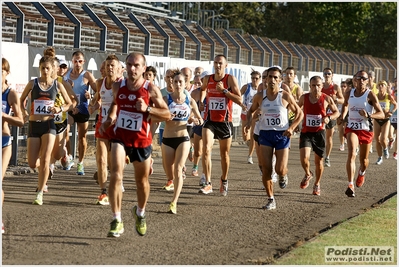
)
(193, 110)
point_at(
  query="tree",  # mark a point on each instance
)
(364, 28)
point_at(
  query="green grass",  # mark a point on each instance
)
(376, 227)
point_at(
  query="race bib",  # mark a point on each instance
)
(104, 111)
(130, 121)
(42, 107)
(217, 103)
(4, 106)
(271, 120)
(313, 120)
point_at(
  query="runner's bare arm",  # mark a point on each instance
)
(339, 96)
(71, 94)
(160, 108)
(195, 111)
(17, 119)
(378, 114)
(293, 106)
(344, 109)
(24, 97)
(67, 100)
(256, 101)
(331, 104)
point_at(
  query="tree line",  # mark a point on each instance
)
(363, 28)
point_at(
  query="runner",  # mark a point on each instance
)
(313, 134)
(130, 135)
(61, 122)
(295, 89)
(394, 122)
(80, 114)
(42, 128)
(334, 91)
(176, 141)
(11, 116)
(221, 90)
(381, 127)
(197, 129)
(275, 131)
(341, 127)
(102, 101)
(67, 162)
(248, 91)
(358, 104)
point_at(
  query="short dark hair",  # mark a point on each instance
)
(152, 69)
(314, 78)
(290, 68)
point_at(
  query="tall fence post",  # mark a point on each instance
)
(73, 139)
(14, 156)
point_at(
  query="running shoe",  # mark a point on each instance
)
(350, 192)
(141, 225)
(224, 187)
(274, 177)
(122, 187)
(191, 153)
(316, 190)
(45, 188)
(283, 181)
(270, 205)
(194, 171)
(202, 180)
(169, 186)
(379, 161)
(327, 162)
(69, 163)
(386, 153)
(39, 199)
(116, 228)
(152, 167)
(103, 200)
(249, 160)
(342, 147)
(357, 151)
(360, 179)
(172, 208)
(206, 189)
(51, 171)
(184, 172)
(305, 180)
(127, 160)
(395, 155)
(390, 143)
(80, 169)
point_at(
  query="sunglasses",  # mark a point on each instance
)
(76, 61)
(361, 78)
(327, 73)
(63, 66)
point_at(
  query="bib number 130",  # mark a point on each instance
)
(130, 121)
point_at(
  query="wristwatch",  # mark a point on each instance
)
(149, 109)
(225, 91)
